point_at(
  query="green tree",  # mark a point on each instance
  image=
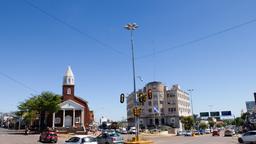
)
(238, 121)
(203, 125)
(228, 122)
(219, 125)
(188, 122)
(43, 104)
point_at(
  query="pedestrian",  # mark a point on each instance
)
(26, 130)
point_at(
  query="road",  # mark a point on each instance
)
(18, 137)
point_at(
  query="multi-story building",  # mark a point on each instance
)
(250, 106)
(165, 108)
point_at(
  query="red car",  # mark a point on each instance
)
(48, 136)
(216, 133)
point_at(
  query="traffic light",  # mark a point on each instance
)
(149, 94)
(122, 98)
(140, 97)
(144, 98)
(135, 111)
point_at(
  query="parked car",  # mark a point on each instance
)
(82, 139)
(229, 132)
(181, 133)
(188, 133)
(48, 136)
(110, 137)
(248, 137)
(216, 132)
(207, 131)
(132, 130)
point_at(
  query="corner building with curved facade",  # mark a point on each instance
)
(165, 108)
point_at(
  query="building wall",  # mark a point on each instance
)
(250, 106)
(169, 105)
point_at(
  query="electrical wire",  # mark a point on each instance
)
(72, 27)
(18, 82)
(199, 39)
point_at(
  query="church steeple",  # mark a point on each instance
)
(69, 77)
(68, 84)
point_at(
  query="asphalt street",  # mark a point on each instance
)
(18, 137)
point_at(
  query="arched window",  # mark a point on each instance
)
(69, 91)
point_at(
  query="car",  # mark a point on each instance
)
(188, 133)
(196, 132)
(248, 137)
(123, 131)
(110, 137)
(132, 130)
(207, 131)
(82, 139)
(229, 132)
(181, 133)
(216, 132)
(48, 136)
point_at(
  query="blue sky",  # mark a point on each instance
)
(38, 42)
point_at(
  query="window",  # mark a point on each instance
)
(150, 110)
(69, 91)
(162, 110)
(169, 109)
(161, 102)
(149, 103)
(57, 120)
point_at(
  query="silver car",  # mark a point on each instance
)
(110, 137)
(82, 139)
(248, 137)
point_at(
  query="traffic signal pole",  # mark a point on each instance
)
(131, 27)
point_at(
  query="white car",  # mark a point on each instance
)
(248, 137)
(82, 139)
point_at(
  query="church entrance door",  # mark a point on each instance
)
(68, 121)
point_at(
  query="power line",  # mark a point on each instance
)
(72, 27)
(18, 82)
(200, 38)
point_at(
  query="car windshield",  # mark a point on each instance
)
(73, 139)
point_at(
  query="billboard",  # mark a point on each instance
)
(226, 113)
(204, 114)
(215, 114)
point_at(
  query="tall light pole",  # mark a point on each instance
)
(131, 27)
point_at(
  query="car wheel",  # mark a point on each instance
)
(240, 140)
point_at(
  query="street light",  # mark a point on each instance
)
(131, 27)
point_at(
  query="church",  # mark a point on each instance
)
(75, 113)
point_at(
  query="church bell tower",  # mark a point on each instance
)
(68, 90)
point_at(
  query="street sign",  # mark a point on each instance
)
(215, 114)
(204, 114)
(226, 113)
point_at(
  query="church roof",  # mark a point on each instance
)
(69, 72)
